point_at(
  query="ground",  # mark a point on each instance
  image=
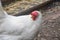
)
(17, 6)
(51, 21)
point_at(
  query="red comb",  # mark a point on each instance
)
(34, 13)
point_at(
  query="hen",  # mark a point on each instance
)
(23, 27)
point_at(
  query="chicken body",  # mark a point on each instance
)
(18, 28)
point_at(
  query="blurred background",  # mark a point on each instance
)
(13, 6)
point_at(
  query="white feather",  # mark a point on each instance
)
(18, 28)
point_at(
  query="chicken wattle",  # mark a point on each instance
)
(23, 27)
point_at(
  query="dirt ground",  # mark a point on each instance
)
(17, 6)
(51, 21)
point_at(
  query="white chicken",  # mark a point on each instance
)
(23, 27)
